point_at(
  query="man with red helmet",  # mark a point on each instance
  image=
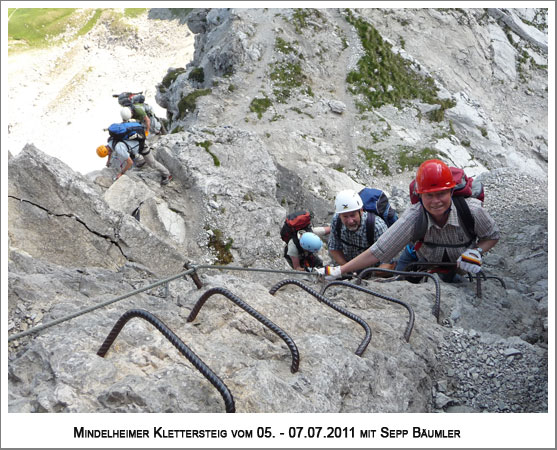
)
(446, 240)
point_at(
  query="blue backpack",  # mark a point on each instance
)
(127, 131)
(376, 203)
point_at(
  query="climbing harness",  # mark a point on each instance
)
(436, 306)
(176, 342)
(385, 297)
(277, 330)
(362, 347)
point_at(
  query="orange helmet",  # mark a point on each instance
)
(434, 175)
(102, 150)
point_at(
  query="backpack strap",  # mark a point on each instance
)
(370, 231)
(464, 216)
(370, 228)
(297, 243)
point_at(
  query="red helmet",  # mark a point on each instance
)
(432, 176)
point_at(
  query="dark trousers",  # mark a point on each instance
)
(409, 256)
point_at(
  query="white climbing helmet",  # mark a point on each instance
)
(347, 201)
(126, 113)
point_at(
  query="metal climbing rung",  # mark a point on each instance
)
(277, 330)
(177, 342)
(479, 276)
(436, 307)
(410, 325)
(362, 347)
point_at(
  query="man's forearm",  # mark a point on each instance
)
(363, 260)
(338, 256)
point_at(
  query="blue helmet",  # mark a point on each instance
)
(310, 242)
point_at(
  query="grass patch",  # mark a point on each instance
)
(90, 23)
(438, 115)
(384, 77)
(286, 76)
(259, 106)
(41, 27)
(409, 159)
(134, 12)
(171, 76)
(222, 249)
(300, 16)
(188, 103)
(177, 129)
(483, 131)
(206, 145)
(197, 74)
(374, 161)
(284, 47)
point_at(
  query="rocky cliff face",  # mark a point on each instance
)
(264, 121)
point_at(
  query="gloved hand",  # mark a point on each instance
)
(329, 272)
(470, 261)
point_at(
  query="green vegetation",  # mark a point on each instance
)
(171, 76)
(409, 159)
(197, 74)
(232, 87)
(188, 103)
(299, 111)
(286, 76)
(374, 160)
(283, 47)
(483, 131)
(385, 77)
(90, 23)
(177, 129)
(259, 106)
(221, 248)
(206, 145)
(134, 12)
(438, 115)
(41, 27)
(300, 16)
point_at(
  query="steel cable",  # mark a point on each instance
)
(277, 330)
(177, 342)
(92, 308)
(362, 347)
